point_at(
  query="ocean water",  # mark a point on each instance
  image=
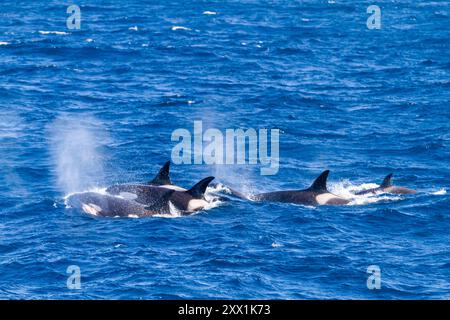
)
(83, 109)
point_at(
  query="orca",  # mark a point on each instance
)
(387, 187)
(104, 205)
(187, 201)
(316, 194)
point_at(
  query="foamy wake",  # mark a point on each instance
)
(347, 190)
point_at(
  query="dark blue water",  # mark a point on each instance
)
(91, 107)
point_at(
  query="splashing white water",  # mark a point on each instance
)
(347, 190)
(75, 145)
(212, 198)
(440, 192)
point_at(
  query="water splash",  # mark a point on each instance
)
(212, 198)
(440, 192)
(76, 144)
(347, 190)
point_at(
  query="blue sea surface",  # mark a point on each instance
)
(88, 108)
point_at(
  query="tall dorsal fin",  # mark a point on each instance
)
(387, 181)
(199, 189)
(320, 184)
(162, 177)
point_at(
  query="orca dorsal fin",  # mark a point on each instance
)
(387, 181)
(320, 184)
(198, 190)
(162, 177)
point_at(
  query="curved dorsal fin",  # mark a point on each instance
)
(162, 177)
(387, 181)
(198, 190)
(320, 184)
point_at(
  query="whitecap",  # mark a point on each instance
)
(209, 12)
(440, 192)
(59, 33)
(3, 43)
(175, 28)
(369, 199)
(135, 28)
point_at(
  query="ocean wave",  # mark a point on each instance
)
(440, 192)
(175, 28)
(58, 33)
